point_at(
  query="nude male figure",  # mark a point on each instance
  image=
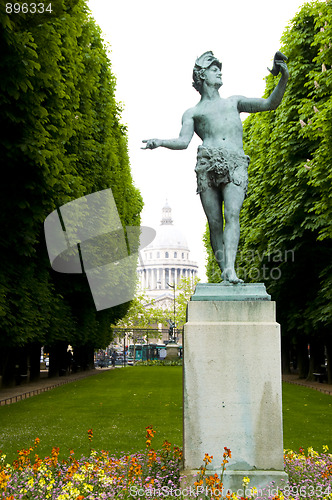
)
(221, 168)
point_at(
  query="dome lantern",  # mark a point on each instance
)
(166, 215)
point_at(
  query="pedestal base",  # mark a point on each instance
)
(232, 388)
(172, 351)
(268, 483)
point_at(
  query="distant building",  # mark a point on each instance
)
(165, 261)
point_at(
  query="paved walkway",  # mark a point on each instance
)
(294, 379)
(24, 391)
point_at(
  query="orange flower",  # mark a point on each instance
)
(198, 483)
(207, 458)
(4, 480)
(177, 453)
(149, 435)
(167, 445)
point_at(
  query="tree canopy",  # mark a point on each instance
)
(286, 219)
(62, 138)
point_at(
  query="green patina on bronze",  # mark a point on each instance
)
(222, 171)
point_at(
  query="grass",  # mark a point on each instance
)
(307, 417)
(119, 404)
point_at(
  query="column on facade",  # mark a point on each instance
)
(152, 278)
(161, 275)
(157, 278)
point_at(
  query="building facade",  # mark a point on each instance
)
(165, 261)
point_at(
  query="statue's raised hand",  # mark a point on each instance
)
(279, 64)
(283, 68)
(152, 143)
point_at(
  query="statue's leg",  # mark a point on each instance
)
(211, 199)
(233, 199)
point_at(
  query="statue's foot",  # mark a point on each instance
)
(230, 275)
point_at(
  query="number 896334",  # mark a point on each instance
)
(28, 8)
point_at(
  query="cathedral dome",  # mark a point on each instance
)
(168, 235)
(166, 260)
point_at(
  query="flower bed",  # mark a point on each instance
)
(150, 474)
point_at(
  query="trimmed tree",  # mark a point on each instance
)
(286, 218)
(62, 139)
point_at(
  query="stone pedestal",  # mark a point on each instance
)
(172, 351)
(232, 385)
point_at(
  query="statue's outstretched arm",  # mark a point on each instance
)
(254, 105)
(181, 142)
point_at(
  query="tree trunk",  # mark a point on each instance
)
(285, 355)
(328, 345)
(316, 357)
(34, 351)
(9, 367)
(302, 358)
(58, 359)
(83, 358)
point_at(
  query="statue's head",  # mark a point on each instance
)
(202, 63)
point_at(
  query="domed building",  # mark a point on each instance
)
(165, 261)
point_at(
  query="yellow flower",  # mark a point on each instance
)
(88, 487)
(78, 477)
(325, 448)
(42, 482)
(245, 481)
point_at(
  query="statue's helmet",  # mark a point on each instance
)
(206, 60)
(202, 63)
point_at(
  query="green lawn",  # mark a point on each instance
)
(307, 417)
(119, 404)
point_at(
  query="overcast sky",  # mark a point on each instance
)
(153, 48)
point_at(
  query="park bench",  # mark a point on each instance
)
(319, 377)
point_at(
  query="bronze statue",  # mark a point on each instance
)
(222, 165)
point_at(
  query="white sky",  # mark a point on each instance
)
(154, 45)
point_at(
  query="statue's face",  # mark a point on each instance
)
(213, 76)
